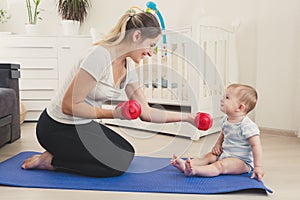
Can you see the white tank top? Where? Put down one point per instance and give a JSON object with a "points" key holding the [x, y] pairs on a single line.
{"points": [[99, 65]]}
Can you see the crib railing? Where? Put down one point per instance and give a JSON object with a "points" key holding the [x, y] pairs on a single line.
{"points": [[173, 65], [188, 73], [164, 75], [219, 65]]}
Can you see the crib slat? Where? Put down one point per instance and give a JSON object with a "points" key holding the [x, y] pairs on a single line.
{"points": [[141, 75], [220, 63], [179, 71], [150, 80], [192, 71], [226, 63], [159, 74], [169, 71], [221, 57], [186, 53]]}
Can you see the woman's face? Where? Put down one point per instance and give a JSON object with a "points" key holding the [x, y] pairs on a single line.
{"points": [[144, 48]]}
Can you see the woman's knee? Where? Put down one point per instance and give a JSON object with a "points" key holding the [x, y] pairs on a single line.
{"points": [[104, 172]]}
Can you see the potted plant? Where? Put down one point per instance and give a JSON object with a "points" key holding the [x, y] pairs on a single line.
{"points": [[3, 16], [33, 12], [73, 13]]}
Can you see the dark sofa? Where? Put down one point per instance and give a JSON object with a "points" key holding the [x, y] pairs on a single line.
{"points": [[9, 103]]}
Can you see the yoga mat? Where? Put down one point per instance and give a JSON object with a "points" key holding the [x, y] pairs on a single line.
{"points": [[165, 179]]}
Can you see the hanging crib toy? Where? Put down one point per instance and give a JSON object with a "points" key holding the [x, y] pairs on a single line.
{"points": [[151, 8]]}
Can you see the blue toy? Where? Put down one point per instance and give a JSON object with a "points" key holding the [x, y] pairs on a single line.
{"points": [[152, 6]]}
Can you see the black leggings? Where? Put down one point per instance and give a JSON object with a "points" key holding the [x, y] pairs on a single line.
{"points": [[90, 149]]}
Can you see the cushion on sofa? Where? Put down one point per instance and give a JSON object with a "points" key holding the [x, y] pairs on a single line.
{"points": [[7, 101]]}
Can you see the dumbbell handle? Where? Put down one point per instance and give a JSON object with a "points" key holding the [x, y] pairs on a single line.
{"points": [[203, 121], [131, 109]]}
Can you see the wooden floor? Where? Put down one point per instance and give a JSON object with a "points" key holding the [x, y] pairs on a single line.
{"points": [[281, 164]]}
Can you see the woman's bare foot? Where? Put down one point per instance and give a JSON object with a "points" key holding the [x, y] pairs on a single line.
{"points": [[178, 163], [188, 171], [42, 161]]}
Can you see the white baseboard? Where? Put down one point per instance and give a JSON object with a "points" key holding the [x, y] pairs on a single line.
{"points": [[281, 132]]}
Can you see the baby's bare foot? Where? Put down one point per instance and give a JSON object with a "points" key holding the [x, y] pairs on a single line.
{"points": [[178, 163], [42, 161], [188, 171]]}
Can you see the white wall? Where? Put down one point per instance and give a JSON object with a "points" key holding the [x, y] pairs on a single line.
{"points": [[277, 63], [297, 114], [267, 42], [107, 14], [103, 15], [17, 10]]}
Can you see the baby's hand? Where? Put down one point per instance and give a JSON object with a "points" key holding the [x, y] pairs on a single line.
{"points": [[258, 172], [217, 150]]}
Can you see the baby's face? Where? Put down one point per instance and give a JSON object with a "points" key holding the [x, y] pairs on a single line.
{"points": [[230, 103]]}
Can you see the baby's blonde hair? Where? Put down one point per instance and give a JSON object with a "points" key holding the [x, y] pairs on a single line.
{"points": [[143, 21], [246, 94]]}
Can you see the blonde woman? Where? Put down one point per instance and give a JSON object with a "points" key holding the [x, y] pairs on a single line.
{"points": [[238, 148], [73, 141]]}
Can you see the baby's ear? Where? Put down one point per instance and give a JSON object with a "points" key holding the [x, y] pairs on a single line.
{"points": [[242, 107]]}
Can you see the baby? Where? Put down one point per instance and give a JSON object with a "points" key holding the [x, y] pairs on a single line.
{"points": [[238, 148]]}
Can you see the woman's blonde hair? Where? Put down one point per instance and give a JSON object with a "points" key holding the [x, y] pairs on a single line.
{"points": [[129, 22], [246, 94]]}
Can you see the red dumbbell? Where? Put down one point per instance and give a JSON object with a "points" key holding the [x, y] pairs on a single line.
{"points": [[130, 109], [203, 121]]}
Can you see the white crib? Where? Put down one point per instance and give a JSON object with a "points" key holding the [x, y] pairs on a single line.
{"points": [[188, 74]]}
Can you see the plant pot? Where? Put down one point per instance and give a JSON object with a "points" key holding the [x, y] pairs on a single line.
{"points": [[70, 27], [31, 29]]}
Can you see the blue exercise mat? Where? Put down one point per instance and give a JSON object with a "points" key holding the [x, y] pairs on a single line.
{"points": [[140, 178]]}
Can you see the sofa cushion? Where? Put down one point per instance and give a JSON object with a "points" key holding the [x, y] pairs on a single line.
{"points": [[5, 136], [7, 101]]}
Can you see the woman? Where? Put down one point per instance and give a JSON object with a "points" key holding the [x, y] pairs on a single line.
{"points": [[74, 142]]}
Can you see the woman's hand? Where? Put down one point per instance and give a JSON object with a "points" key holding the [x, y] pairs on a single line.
{"points": [[190, 118], [130, 109], [203, 121], [117, 113]]}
